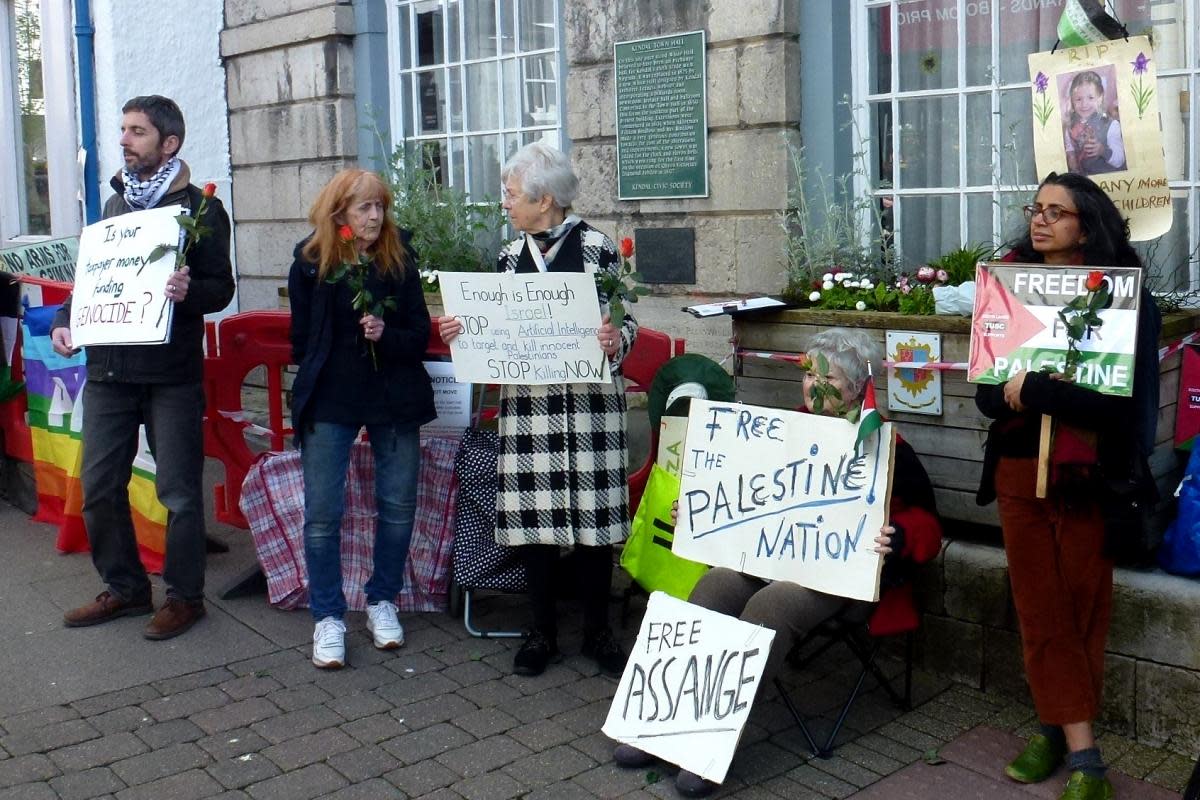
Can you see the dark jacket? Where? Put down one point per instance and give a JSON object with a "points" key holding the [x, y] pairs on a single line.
{"points": [[181, 359], [323, 318]]}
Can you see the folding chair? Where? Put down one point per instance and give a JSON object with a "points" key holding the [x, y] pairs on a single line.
{"points": [[895, 615]]}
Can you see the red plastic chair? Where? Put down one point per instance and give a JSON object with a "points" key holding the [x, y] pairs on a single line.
{"points": [[650, 351]]}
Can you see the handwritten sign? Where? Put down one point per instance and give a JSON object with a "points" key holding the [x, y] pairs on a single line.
{"points": [[688, 686], [525, 328], [785, 496], [119, 295], [53, 259], [451, 399], [1015, 325]]}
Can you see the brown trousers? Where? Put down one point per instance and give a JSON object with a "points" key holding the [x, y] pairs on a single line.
{"points": [[1062, 588]]}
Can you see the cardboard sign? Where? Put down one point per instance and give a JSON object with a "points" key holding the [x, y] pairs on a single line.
{"points": [[525, 328], [1016, 325], [119, 297], [451, 399], [785, 496], [688, 686], [1095, 112]]}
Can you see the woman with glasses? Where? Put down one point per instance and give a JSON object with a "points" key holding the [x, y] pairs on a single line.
{"points": [[1059, 558]]}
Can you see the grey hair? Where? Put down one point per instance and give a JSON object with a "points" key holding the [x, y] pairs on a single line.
{"points": [[849, 349], [543, 170]]}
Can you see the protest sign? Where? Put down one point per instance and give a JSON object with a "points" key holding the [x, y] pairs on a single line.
{"points": [[52, 259], [1095, 112], [525, 328], [688, 686], [119, 295], [451, 399], [1016, 325], [785, 496]]}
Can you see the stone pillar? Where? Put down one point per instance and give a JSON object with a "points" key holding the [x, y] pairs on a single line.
{"points": [[289, 67], [753, 70]]}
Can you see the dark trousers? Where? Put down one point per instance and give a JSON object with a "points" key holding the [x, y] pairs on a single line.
{"points": [[1062, 588], [173, 415], [592, 582]]}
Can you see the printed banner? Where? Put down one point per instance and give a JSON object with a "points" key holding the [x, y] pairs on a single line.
{"points": [[54, 385], [785, 496], [914, 391], [119, 296], [1095, 112], [525, 328], [689, 685], [52, 259], [1187, 414], [1016, 325]]}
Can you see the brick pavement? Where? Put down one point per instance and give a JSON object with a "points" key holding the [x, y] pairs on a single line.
{"points": [[444, 718]]}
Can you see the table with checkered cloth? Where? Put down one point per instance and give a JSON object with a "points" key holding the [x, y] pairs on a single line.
{"points": [[273, 502]]}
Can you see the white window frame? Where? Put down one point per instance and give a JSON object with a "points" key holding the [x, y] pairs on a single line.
{"points": [[862, 100], [395, 71]]}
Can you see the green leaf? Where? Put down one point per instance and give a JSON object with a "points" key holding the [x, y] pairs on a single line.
{"points": [[159, 252], [933, 758]]}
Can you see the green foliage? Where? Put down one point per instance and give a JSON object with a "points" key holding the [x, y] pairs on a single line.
{"points": [[917, 300], [620, 287], [960, 263], [822, 390], [450, 231]]}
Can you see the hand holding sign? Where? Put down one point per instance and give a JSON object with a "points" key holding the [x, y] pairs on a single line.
{"points": [[177, 284]]}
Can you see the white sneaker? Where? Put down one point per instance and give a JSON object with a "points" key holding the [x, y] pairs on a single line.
{"points": [[329, 644], [383, 625]]}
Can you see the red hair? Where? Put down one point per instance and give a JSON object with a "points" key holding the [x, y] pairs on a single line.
{"points": [[326, 247]]}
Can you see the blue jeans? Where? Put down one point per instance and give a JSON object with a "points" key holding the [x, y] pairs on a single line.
{"points": [[325, 457]]}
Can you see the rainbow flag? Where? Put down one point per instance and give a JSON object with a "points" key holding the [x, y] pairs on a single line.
{"points": [[54, 387]]}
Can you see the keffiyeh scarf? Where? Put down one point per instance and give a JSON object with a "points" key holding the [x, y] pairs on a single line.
{"points": [[141, 194]]}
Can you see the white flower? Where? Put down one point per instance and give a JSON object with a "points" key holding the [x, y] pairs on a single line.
{"points": [[860, 306], [814, 297], [866, 285], [842, 276], [828, 276], [851, 284], [827, 285]]}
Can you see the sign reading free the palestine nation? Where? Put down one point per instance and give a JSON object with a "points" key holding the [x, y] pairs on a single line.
{"points": [[1016, 326]]}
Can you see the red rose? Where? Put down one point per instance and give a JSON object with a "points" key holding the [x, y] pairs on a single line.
{"points": [[1095, 280], [627, 248], [346, 233], [210, 190]]}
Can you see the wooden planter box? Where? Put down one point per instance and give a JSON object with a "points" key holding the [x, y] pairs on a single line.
{"points": [[950, 446]]}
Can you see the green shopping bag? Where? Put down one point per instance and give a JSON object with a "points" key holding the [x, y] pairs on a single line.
{"points": [[647, 555]]}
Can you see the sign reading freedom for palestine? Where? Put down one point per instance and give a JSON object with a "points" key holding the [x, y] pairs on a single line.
{"points": [[662, 118], [1016, 327]]}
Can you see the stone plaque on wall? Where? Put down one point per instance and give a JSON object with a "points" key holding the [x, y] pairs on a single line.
{"points": [[665, 255], [662, 117]]}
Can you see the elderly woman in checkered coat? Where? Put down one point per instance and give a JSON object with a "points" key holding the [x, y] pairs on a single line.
{"points": [[561, 466]]}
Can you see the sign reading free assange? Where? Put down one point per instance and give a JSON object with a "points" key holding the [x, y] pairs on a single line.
{"points": [[525, 328], [662, 117], [689, 684], [785, 496], [1015, 325]]}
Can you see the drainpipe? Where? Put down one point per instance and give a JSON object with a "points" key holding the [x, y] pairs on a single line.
{"points": [[85, 53]]}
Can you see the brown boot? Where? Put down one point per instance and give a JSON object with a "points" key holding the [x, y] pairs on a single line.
{"points": [[175, 617], [105, 607]]}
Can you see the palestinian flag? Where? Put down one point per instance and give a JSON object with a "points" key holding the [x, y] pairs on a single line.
{"points": [[1086, 22], [869, 419]]}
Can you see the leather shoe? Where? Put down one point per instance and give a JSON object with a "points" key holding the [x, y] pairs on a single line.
{"points": [[105, 607], [174, 618]]}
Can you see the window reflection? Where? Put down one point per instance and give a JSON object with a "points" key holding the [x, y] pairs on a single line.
{"points": [[31, 104]]}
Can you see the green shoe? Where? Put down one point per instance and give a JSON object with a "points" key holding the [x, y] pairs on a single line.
{"points": [[1085, 787], [1037, 761]]}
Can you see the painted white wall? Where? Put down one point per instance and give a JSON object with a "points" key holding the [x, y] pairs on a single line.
{"points": [[172, 48]]}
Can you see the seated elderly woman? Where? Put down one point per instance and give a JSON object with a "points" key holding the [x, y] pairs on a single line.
{"points": [[911, 536]]}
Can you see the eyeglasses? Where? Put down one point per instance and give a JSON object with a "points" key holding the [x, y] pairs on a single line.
{"points": [[1051, 214]]}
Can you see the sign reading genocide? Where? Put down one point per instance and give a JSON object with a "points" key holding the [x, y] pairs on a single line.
{"points": [[689, 685], [662, 118], [1016, 326], [52, 259], [119, 295], [785, 496], [527, 328]]}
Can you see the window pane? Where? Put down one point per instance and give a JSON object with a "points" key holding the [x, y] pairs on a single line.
{"points": [[1175, 108], [453, 31], [1015, 148], [31, 102], [483, 153], [479, 27], [433, 158], [1012, 218], [454, 99], [981, 154], [979, 219], [928, 227], [430, 45], [406, 104], [482, 95], [432, 102], [880, 36], [540, 95], [1167, 256], [458, 166], [880, 141], [928, 143], [928, 46], [512, 99], [404, 37], [1031, 31], [537, 24], [507, 24]]}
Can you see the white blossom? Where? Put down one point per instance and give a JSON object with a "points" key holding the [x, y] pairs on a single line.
{"points": [[828, 276], [860, 306], [814, 297], [827, 285]]}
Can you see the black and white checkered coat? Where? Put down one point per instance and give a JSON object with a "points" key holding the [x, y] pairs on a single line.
{"points": [[562, 465]]}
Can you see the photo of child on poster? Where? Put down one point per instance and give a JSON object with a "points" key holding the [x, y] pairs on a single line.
{"points": [[1091, 121]]}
